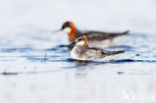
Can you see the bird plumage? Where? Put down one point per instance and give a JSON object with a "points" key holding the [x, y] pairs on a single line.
{"points": [[84, 52], [95, 38]]}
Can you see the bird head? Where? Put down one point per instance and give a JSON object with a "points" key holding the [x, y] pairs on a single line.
{"points": [[68, 27], [81, 41]]}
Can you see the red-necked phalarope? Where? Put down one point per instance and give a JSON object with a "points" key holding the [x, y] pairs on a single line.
{"points": [[95, 38], [82, 51]]}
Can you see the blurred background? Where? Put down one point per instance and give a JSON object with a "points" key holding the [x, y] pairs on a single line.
{"points": [[136, 15], [34, 68]]}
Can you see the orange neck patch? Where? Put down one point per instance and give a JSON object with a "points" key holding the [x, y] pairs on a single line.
{"points": [[86, 42], [72, 34]]}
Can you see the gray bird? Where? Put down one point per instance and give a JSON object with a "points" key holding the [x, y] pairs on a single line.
{"points": [[95, 38], [82, 51]]}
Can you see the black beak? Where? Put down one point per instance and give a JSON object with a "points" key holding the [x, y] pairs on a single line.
{"points": [[70, 46]]}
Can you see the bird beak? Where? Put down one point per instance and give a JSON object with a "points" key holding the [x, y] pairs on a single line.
{"points": [[72, 44]]}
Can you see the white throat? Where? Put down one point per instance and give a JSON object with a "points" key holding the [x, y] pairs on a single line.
{"points": [[81, 43], [67, 30]]}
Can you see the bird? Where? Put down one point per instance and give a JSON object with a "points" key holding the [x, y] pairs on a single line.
{"points": [[95, 38], [81, 51]]}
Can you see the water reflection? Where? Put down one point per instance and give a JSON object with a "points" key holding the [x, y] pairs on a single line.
{"points": [[81, 73], [81, 63]]}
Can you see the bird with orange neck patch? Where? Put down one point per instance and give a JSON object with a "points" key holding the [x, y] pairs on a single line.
{"points": [[82, 51], [95, 38]]}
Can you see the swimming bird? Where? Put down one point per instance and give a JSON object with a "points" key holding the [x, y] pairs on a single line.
{"points": [[82, 51], [95, 38]]}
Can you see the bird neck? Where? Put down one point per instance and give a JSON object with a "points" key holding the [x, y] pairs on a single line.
{"points": [[72, 34], [80, 49], [85, 42]]}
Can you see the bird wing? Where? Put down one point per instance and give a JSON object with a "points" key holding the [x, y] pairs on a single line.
{"points": [[104, 53], [109, 53], [95, 35]]}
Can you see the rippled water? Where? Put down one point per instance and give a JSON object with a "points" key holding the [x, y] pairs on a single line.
{"points": [[36, 67]]}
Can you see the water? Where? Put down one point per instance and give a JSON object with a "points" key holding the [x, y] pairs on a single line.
{"points": [[35, 66], [33, 69]]}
